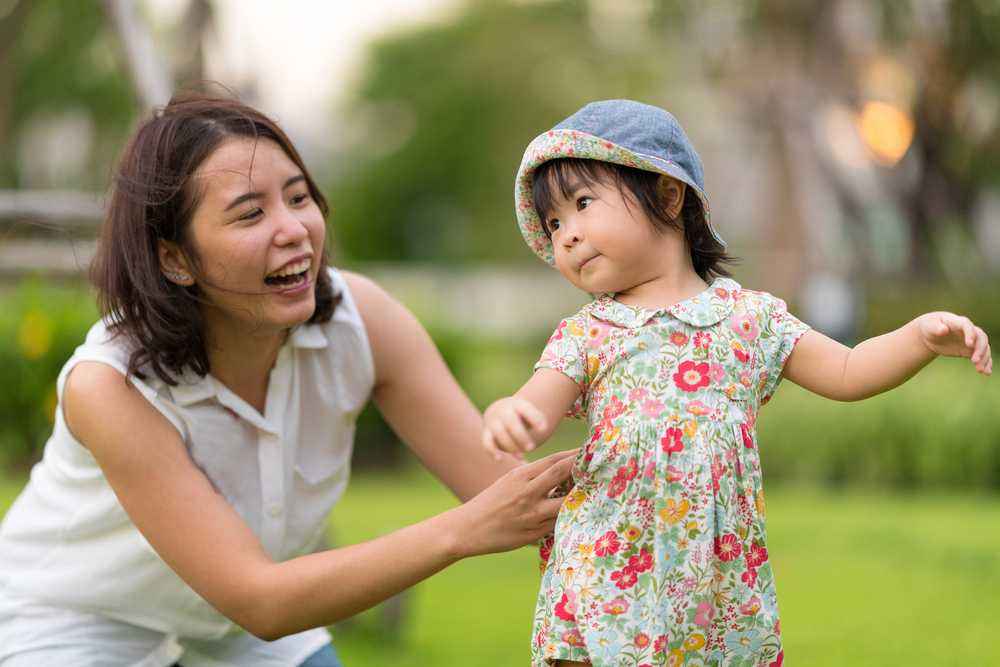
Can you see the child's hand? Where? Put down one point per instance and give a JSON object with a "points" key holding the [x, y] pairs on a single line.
{"points": [[508, 427], [956, 336]]}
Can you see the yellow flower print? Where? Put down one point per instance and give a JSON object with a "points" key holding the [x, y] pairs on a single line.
{"points": [[760, 503], [690, 428], [676, 658], [575, 329], [675, 511], [632, 533], [612, 434], [593, 364], [694, 642], [574, 499]]}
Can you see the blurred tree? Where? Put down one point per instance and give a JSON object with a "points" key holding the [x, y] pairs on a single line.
{"points": [[446, 111]]}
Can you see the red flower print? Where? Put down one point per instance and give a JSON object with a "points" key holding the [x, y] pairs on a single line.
{"points": [[756, 555], [779, 660], [740, 353], [728, 547], [640, 562], [545, 550], [749, 577], [630, 469], [641, 640], [573, 637], [721, 293], [691, 376], [615, 409], [660, 644], [559, 331], [566, 607], [608, 544], [617, 606], [678, 338], [625, 578], [702, 339], [617, 485], [671, 441], [747, 437]]}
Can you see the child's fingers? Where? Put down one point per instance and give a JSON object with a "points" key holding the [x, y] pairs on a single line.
{"points": [[532, 415], [518, 434], [981, 346], [490, 445]]}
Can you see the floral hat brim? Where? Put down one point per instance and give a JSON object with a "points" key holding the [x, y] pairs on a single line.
{"points": [[564, 143]]}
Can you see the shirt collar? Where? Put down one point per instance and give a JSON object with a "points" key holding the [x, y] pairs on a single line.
{"points": [[704, 309], [191, 387]]}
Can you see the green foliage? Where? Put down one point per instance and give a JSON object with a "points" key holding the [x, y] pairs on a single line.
{"points": [[449, 110], [39, 328]]}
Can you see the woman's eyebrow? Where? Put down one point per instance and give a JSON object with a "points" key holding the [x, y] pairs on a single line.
{"points": [[248, 196]]}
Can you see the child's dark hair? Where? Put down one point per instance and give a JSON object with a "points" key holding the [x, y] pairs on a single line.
{"points": [[557, 176]]}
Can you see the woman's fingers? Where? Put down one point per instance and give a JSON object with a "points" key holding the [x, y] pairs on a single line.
{"points": [[552, 476]]}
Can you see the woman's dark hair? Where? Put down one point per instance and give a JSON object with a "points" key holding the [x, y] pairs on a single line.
{"points": [[560, 175], [153, 197]]}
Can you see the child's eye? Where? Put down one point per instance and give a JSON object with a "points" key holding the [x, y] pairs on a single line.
{"points": [[252, 215], [553, 225], [582, 203]]}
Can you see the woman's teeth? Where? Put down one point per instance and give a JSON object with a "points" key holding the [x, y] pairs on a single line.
{"points": [[290, 275]]}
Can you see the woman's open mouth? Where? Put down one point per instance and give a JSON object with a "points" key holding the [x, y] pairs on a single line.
{"points": [[290, 275]]}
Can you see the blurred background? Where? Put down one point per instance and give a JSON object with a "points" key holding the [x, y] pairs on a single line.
{"points": [[852, 156]]}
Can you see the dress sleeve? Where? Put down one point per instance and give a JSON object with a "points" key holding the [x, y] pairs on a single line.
{"points": [[566, 353], [780, 331]]}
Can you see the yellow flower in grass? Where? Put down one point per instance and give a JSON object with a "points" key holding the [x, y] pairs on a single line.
{"points": [[694, 642], [675, 511], [574, 499], [34, 337]]}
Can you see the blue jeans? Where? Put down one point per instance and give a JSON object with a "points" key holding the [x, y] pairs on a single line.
{"points": [[325, 657]]}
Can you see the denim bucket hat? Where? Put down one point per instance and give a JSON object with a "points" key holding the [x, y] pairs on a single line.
{"points": [[617, 131]]}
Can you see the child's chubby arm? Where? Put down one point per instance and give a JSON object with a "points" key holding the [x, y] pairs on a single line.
{"points": [[825, 367], [519, 423]]}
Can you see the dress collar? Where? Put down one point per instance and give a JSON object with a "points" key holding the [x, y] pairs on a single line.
{"points": [[704, 309]]}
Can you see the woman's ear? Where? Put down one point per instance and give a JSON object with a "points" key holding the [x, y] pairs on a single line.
{"points": [[174, 264], [672, 194]]}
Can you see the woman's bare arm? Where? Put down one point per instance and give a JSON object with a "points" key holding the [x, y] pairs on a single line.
{"points": [[419, 397], [200, 536]]}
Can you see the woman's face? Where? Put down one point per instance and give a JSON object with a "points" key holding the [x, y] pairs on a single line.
{"points": [[258, 235]]}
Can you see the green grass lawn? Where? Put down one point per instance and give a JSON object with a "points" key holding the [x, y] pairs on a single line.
{"points": [[863, 579]]}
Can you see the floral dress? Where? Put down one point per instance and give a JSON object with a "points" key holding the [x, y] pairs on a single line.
{"points": [[659, 555]]}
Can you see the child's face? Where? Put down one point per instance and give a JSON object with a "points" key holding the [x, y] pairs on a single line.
{"points": [[603, 244]]}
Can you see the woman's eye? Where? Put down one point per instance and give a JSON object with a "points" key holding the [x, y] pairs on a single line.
{"points": [[582, 203], [252, 215], [299, 198]]}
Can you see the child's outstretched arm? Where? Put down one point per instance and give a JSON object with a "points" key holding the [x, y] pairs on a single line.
{"points": [[825, 367], [519, 423]]}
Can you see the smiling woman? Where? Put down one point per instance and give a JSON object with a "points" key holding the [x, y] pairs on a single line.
{"points": [[205, 426]]}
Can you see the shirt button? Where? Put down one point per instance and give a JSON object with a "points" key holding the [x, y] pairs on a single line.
{"points": [[275, 510]]}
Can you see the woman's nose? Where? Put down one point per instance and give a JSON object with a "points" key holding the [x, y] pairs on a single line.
{"points": [[291, 230]]}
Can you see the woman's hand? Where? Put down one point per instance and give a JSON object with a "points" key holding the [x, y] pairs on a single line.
{"points": [[956, 336], [515, 510], [513, 425]]}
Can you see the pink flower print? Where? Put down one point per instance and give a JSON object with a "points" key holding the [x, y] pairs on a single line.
{"points": [[691, 376], [573, 637], [751, 606], [559, 331], [779, 660], [678, 338], [625, 578], [652, 408], [756, 556], [674, 474], [641, 640], [630, 469], [637, 394], [607, 544], [704, 614], [749, 577], [702, 340], [617, 606], [614, 409], [660, 644], [728, 547], [747, 436], [566, 607], [671, 441], [745, 326], [596, 334], [617, 485], [721, 293], [717, 373]]}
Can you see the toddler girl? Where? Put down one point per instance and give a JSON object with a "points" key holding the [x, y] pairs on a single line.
{"points": [[660, 552]]}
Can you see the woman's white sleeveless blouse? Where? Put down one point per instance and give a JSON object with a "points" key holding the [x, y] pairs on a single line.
{"points": [[68, 549]]}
